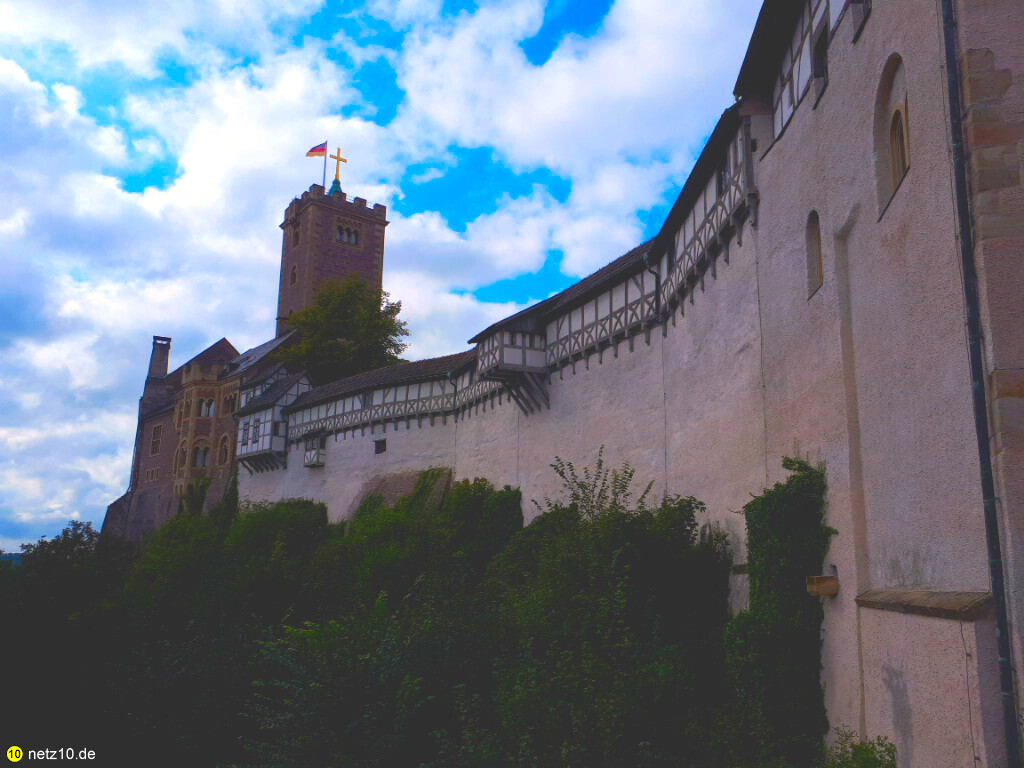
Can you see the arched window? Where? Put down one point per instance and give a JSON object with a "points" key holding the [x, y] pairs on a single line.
{"points": [[355, 237], [294, 276], [891, 131], [206, 457], [898, 163], [341, 233], [815, 257], [223, 454], [211, 408], [196, 454]]}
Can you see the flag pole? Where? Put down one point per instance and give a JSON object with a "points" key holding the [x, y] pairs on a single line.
{"points": [[324, 182]]}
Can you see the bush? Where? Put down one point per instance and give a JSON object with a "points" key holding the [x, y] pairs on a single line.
{"points": [[848, 753]]}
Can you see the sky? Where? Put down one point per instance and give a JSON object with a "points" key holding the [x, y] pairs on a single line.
{"points": [[148, 151]]}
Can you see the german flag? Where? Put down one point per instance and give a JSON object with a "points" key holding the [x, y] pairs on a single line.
{"points": [[320, 150]]}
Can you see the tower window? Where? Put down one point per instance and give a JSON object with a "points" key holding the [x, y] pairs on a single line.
{"points": [[295, 234], [224, 451], [293, 276], [154, 446]]}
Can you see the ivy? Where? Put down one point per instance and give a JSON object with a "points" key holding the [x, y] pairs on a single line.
{"points": [[773, 649]]}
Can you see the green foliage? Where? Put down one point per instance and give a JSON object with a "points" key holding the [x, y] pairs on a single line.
{"points": [[774, 648], [440, 632], [849, 753], [603, 489], [350, 328]]}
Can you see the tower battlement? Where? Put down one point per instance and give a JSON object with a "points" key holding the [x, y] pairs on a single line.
{"points": [[327, 237]]}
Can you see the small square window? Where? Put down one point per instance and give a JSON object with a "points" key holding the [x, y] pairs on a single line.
{"points": [[380, 446]]}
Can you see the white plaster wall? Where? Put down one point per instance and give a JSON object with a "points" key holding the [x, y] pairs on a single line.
{"points": [[350, 463]]}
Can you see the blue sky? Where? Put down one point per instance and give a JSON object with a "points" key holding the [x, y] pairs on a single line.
{"points": [[150, 149]]}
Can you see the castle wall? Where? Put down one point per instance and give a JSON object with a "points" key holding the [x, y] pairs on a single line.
{"points": [[869, 374]]}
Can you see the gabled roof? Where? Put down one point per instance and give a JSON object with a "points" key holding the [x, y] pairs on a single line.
{"points": [[263, 376], [218, 352], [431, 368], [272, 394], [250, 357]]}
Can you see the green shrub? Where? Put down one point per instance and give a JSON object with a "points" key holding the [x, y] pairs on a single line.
{"points": [[849, 753]]}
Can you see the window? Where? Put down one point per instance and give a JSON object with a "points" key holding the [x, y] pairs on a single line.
{"points": [[211, 407], [342, 236], [224, 453], [380, 446], [255, 430], [294, 276], [295, 234], [154, 445], [245, 433], [200, 456], [815, 258], [897, 149], [819, 62], [891, 131], [355, 237]]}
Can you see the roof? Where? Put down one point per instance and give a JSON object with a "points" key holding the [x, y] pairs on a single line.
{"points": [[706, 166], [577, 292], [431, 368], [263, 376], [252, 356], [772, 35], [218, 352], [272, 394]]}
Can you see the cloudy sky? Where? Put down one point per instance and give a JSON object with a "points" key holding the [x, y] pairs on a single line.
{"points": [[148, 150]]}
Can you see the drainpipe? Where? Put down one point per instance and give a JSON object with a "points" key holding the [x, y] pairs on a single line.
{"points": [[974, 345]]}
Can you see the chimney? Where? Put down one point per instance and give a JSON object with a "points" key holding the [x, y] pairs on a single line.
{"points": [[160, 357]]}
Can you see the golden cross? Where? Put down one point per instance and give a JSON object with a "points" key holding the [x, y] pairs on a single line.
{"points": [[337, 165]]}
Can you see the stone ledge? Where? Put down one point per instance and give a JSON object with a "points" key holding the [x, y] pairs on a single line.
{"points": [[959, 606]]}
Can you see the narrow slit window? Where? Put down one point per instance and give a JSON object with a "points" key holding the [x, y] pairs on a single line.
{"points": [[815, 257]]}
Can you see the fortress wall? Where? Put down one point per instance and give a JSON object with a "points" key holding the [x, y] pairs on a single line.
{"points": [[869, 374], [350, 465]]}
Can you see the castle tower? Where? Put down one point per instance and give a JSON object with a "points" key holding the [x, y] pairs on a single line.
{"points": [[327, 237]]}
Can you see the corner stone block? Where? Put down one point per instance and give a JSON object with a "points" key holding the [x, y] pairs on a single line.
{"points": [[977, 60]]}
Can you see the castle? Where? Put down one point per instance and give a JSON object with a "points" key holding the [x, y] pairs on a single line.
{"points": [[840, 277]]}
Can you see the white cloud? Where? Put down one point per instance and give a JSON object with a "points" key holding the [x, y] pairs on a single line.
{"points": [[96, 270]]}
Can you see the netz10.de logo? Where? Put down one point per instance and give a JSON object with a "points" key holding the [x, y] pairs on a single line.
{"points": [[14, 754]]}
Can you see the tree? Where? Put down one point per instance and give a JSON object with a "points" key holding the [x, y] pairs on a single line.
{"points": [[350, 328]]}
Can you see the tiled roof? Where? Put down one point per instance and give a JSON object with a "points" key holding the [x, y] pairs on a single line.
{"points": [[391, 374], [272, 394], [252, 356], [263, 376]]}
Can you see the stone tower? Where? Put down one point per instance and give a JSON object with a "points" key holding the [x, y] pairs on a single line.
{"points": [[327, 237]]}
